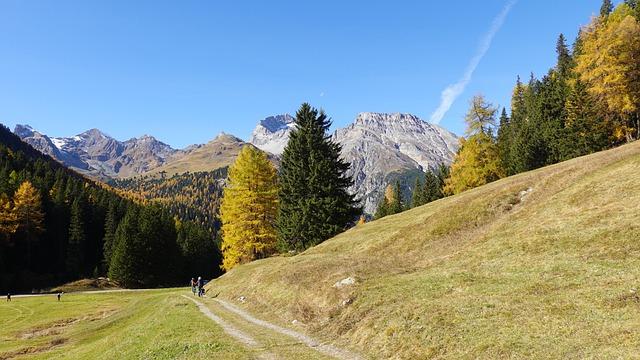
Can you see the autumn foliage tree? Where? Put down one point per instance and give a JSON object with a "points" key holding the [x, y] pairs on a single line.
{"points": [[27, 206], [609, 64], [8, 218], [249, 209], [477, 161]]}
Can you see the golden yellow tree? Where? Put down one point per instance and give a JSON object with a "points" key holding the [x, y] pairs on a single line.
{"points": [[609, 63], [27, 207], [249, 209], [8, 219], [478, 160]]}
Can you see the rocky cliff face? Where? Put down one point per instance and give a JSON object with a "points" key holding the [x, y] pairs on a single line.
{"points": [[272, 133], [381, 148]]}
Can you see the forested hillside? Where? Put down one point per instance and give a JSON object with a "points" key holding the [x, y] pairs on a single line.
{"points": [[191, 196], [56, 225]]}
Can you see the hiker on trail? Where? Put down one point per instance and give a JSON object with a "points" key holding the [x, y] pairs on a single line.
{"points": [[200, 290], [8, 297], [193, 286]]}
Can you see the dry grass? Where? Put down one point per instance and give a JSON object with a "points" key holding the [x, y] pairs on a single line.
{"points": [[497, 271], [100, 283]]}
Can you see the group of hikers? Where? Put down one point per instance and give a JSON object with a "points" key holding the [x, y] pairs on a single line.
{"points": [[197, 286]]}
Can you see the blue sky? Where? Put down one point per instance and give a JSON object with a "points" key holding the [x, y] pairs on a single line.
{"points": [[184, 71]]}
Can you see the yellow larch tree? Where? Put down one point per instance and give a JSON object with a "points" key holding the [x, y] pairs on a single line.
{"points": [[477, 161], [27, 207], [249, 208], [609, 64], [8, 218]]}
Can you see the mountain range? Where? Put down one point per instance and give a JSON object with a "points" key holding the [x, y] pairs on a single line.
{"points": [[381, 148]]}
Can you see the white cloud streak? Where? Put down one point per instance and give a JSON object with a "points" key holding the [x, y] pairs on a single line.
{"points": [[451, 92]]}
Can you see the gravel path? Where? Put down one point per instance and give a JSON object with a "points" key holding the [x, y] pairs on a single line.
{"points": [[326, 349]]}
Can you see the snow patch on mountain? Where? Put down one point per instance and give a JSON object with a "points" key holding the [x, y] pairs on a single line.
{"points": [[272, 133]]}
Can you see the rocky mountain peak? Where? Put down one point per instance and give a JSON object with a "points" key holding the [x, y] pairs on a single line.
{"points": [[277, 122], [23, 130], [272, 133]]}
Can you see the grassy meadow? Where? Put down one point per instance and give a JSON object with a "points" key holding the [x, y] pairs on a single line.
{"points": [[156, 324]]}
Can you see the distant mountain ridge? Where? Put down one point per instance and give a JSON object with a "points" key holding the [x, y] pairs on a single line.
{"points": [[381, 148], [97, 154]]}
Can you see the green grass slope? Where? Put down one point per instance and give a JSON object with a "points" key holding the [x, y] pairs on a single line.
{"points": [[545, 264], [156, 324]]}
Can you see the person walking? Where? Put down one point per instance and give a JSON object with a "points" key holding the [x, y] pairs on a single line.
{"points": [[200, 290], [8, 297], [59, 295], [193, 286]]}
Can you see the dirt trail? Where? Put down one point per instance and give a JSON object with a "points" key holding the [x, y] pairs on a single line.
{"points": [[230, 330], [325, 349]]}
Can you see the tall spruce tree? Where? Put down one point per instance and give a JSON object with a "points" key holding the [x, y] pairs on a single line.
{"points": [[565, 62], [126, 261], [314, 201], [110, 227], [75, 253], [417, 198], [504, 141], [606, 8], [432, 189]]}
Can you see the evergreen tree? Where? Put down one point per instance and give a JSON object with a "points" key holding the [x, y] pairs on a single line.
{"points": [[565, 62], [249, 209], [314, 200], [442, 174], [382, 208], [396, 204], [432, 189], [199, 251], [585, 132], [110, 227], [77, 238], [606, 8], [417, 198], [504, 142], [126, 261], [157, 238]]}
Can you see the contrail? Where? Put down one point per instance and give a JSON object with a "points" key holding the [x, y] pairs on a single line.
{"points": [[451, 92]]}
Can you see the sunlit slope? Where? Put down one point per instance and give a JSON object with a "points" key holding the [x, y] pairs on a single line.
{"points": [[542, 264]]}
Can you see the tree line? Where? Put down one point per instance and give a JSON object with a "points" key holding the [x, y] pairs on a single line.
{"points": [[56, 226], [589, 101], [190, 196]]}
